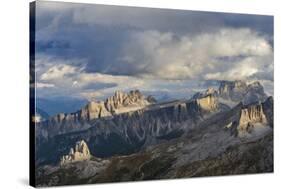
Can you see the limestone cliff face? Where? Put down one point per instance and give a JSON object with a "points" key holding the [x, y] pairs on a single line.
{"points": [[257, 117], [119, 103], [94, 110], [251, 120], [228, 86], [255, 93], [209, 91], [124, 133], [130, 131], [233, 92], [80, 152], [208, 103], [268, 110], [109, 107], [252, 114]]}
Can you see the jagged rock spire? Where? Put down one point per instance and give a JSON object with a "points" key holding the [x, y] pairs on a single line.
{"points": [[80, 152]]}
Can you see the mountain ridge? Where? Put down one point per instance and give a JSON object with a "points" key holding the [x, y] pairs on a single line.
{"points": [[233, 92], [162, 140], [131, 131], [119, 103]]}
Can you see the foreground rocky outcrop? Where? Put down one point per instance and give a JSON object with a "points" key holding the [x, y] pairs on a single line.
{"points": [[184, 157], [255, 118], [80, 152], [250, 116], [251, 120]]}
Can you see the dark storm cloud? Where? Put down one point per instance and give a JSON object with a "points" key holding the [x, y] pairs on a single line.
{"points": [[98, 32], [260, 23], [148, 43], [165, 20], [52, 45]]}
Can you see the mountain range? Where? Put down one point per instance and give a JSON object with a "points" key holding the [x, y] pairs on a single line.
{"points": [[130, 136]]}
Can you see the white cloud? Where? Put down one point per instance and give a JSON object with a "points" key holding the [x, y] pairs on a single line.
{"points": [[44, 85], [59, 72], [243, 69], [225, 54], [163, 63], [71, 79], [119, 83]]}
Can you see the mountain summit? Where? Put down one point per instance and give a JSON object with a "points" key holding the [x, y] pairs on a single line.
{"points": [[233, 92], [130, 133], [80, 152], [119, 103], [237, 91]]}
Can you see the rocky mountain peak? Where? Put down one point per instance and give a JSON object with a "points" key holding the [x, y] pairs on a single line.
{"points": [[118, 97], [252, 117], [80, 152], [119, 94], [228, 87], [121, 100], [239, 91], [136, 93], [255, 84], [82, 147], [208, 102], [209, 91], [151, 99], [253, 114], [255, 93]]}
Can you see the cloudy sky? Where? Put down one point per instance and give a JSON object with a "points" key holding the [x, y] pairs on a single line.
{"points": [[89, 51]]}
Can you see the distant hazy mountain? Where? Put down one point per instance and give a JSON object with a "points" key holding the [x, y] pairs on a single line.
{"points": [[239, 91], [233, 92], [41, 115], [61, 104]]}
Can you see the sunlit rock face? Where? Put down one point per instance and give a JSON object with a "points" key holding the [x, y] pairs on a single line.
{"points": [[128, 132], [119, 103], [176, 134], [255, 118], [233, 92], [94, 110], [125, 102], [208, 103], [209, 91], [80, 152], [135, 129], [252, 114]]}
